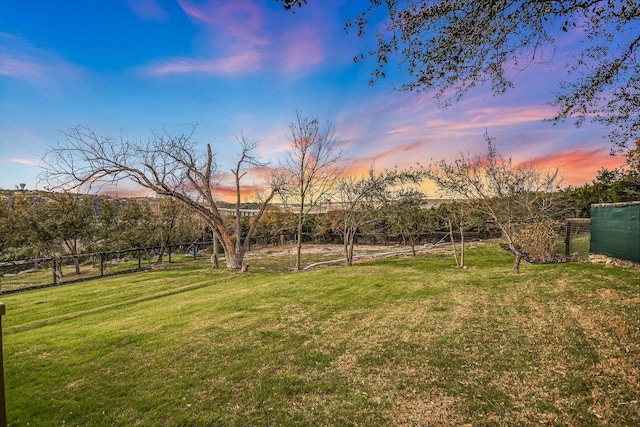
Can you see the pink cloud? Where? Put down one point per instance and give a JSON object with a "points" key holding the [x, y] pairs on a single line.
{"points": [[397, 150], [579, 166], [148, 9], [240, 36], [246, 62], [302, 48], [21, 161], [239, 20], [234, 32]]}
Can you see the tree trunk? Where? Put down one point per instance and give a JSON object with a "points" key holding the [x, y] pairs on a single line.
{"points": [[346, 247], [234, 260], [461, 246], [516, 263], [350, 248], [453, 244], [299, 242]]}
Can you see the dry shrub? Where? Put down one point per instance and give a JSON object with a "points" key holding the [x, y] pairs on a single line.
{"points": [[538, 239]]}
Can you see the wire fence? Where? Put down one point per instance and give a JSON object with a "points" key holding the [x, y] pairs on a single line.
{"points": [[576, 239], [17, 276]]}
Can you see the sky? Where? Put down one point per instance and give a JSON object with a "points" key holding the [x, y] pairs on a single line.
{"points": [[244, 67]]}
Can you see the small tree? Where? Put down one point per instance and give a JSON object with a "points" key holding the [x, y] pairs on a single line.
{"points": [[310, 168], [361, 198], [72, 221], [168, 165], [406, 216], [60, 221], [136, 225], [506, 193], [456, 215]]}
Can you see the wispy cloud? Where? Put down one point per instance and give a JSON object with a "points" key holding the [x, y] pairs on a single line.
{"points": [[240, 21], [238, 39], [21, 161], [245, 62], [404, 129], [245, 37], [302, 48], [20, 60]]}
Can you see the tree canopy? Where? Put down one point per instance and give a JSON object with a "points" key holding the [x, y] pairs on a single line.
{"points": [[451, 47]]}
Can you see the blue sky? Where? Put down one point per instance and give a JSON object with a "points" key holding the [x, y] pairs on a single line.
{"points": [[246, 66]]}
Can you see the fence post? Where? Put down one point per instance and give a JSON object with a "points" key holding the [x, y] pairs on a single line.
{"points": [[102, 259], [139, 259], [3, 407], [567, 238], [57, 267], [169, 250]]}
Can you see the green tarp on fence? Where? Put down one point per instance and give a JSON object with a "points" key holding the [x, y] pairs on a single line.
{"points": [[615, 230]]}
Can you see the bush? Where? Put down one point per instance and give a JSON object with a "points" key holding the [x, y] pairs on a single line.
{"points": [[537, 240]]}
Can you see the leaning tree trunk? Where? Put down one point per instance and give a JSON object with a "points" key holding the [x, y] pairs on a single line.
{"points": [[517, 253]]}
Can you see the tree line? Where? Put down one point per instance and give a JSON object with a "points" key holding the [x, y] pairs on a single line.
{"points": [[489, 197]]}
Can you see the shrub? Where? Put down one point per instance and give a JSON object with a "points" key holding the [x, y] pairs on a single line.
{"points": [[537, 239]]}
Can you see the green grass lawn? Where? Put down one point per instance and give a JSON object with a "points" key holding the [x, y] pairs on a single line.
{"points": [[394, 342]]}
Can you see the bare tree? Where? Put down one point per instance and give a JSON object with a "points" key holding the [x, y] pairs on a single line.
{"points": [[508, 194], [455, 213], [360, 199], [168, 165], [310, 168]]}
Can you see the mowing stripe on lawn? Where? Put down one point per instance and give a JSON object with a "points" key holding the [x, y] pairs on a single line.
{"points": [[65, 317]]}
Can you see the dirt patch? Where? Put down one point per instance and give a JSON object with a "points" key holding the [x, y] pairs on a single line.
{"points": [[317, 249]]}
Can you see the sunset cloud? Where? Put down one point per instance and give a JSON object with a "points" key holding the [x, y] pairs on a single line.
{"points": [[21, 68], [579, 166], [233, 20]]}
